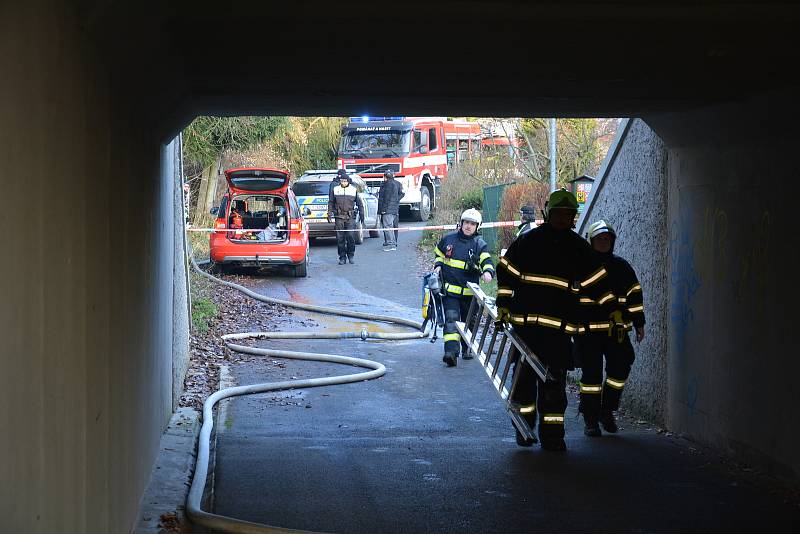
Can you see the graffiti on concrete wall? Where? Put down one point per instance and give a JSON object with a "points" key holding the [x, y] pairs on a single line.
{"points": [[712, 245], [712, 256], [685, 280]]}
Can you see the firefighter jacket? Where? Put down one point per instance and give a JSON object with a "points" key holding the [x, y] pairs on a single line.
{"points": [[343, 201], [462, 259], [389, 197], [622, 305], [543, 277]]}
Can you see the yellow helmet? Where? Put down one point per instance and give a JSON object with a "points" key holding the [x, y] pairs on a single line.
{"points": [[600, 227], [560, 199]]}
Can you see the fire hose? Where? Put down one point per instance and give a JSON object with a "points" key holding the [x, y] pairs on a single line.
{"points": [[193, 502]]}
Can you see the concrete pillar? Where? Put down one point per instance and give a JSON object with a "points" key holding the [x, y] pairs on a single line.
{"points": [[86, 279]]}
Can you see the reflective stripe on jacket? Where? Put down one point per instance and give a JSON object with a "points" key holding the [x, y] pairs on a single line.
{"points": [[624, 295], [544, 276], [462, 260], [343, 201]]}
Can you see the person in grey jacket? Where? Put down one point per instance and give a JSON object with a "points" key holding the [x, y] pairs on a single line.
{"points": [[389, 209]]}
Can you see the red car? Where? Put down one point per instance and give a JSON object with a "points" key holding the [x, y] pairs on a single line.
{"points": [[262, 223]]}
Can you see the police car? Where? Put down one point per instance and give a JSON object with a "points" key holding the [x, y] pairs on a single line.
{"points": [[312, 189]]}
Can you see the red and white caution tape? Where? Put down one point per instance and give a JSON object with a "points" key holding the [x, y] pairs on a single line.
{"points": [[494, 224]]}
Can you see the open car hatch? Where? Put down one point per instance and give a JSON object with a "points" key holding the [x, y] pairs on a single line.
{"points": [[260, 180]]}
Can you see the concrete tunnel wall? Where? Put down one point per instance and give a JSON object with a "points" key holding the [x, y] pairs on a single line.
{"points": [[88, 300], [723, 261], [634, 175]]}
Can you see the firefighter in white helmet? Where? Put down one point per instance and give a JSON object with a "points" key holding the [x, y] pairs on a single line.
{"points": [[461, 256], [611, 318]]}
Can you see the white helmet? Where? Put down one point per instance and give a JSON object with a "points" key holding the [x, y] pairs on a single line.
{"points": [[472, 215], [600, 227]]}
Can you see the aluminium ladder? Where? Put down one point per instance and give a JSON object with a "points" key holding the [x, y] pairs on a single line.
{"points": [[505, 348]]}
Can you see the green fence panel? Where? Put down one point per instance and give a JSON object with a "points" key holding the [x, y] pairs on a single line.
{"points": [[492, 200]]}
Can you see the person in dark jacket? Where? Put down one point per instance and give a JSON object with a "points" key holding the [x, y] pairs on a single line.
{"points": [[389, 209], [346, 207], [527, 221], [540, 282], [461, 256], [611, 319]]}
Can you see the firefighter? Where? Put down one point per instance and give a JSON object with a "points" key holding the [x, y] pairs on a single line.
{"points": [[611, 319], [461, 256], [541, 279], [345, 206], [527, 217]]}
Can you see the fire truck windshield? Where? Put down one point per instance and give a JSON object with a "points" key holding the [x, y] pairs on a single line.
{"points": [[365, 144]]}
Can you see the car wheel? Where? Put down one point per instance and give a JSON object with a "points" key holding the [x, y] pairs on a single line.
{"points": [[301, 271], [359, 233], [375, 232], [424, 210], [217, 268]]}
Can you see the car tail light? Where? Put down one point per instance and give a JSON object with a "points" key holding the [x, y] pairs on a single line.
{"points": [[295, 225], [219, 224]]}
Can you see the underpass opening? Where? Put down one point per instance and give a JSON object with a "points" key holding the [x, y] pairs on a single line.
{"points": [[122, 78]]}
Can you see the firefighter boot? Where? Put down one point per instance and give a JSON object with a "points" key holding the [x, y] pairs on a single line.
{"points": [[552, 437], [522, 441], [465, 353], [608, 421], [450, 359], [591, 426], [553, 443]]}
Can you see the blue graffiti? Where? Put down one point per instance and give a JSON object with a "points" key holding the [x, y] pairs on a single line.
{"points": [[684, 279]]}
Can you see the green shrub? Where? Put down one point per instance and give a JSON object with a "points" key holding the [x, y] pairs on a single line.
{"points": [[472, 198]]}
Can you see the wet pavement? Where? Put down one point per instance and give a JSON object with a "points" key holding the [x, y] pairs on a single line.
{"points": [[428, 448]]}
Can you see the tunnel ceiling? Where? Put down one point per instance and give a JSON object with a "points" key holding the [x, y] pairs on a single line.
{"points": [[508, 58]]}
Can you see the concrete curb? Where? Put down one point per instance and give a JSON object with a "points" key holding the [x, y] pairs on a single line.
{"points": [[169, 481]]}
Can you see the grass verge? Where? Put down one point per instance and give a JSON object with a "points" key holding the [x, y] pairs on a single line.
{"points": [[203, 307]]}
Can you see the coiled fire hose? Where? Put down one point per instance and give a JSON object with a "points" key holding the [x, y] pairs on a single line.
{"points": [[229, 524]]}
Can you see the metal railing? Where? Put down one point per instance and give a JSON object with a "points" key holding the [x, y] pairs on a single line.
{"points": [[505, 349]]}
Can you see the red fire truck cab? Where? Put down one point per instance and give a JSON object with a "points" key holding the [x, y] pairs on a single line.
{"points": [[419, 150]]}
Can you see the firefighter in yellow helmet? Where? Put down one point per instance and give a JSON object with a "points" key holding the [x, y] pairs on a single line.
{"points": [[540, 282], [612, 317], [461, 256]]}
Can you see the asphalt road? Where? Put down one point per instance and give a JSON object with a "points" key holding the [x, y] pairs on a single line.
{"points": [[428, 448]]}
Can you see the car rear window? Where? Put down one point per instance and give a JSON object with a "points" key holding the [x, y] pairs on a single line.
{"points": [[311, 189], [257, 180]]}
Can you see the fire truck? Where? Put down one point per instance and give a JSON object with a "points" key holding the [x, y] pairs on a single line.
{"points": [[419, 150]]}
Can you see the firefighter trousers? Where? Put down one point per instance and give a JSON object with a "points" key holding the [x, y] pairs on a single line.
{"points": [[547, 400], [596, 394], [345, 241], [455, 309]]}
